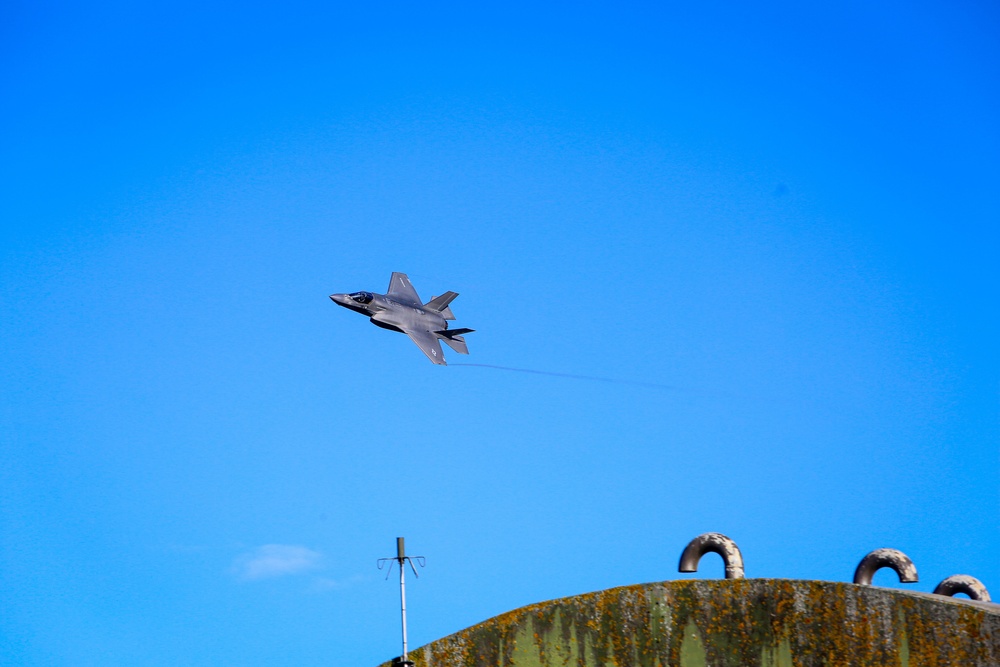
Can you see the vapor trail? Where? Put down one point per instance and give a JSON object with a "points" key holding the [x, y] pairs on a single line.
{"points": [[571, 376]]}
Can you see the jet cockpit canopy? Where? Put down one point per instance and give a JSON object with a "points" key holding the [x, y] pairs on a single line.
{"points": [[363, 297]]}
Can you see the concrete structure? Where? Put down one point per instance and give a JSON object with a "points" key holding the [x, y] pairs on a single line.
{"points": [[731, 623]]}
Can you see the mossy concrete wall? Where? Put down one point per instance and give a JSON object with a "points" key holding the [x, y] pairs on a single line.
{"points": [[731, 623]]}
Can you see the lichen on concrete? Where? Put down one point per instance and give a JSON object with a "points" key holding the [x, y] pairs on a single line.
{"points": [[730, 623]]}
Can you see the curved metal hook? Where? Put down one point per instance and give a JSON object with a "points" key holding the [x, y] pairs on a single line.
{"points": [[963, 583], [716, 543], [381, 563], [880, 558], [421, 561]]}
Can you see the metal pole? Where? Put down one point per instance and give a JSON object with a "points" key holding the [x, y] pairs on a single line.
{"points": [[403, 560], [401, 557]]}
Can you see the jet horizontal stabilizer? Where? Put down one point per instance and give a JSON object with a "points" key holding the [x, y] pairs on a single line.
{"points": [[458, 344], [453, 337], [451, 333]]}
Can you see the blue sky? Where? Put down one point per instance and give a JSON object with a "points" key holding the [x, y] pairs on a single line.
{"points": [[785, 216]]}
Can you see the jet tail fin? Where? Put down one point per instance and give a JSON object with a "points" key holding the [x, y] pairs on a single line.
{"points": [[455, 339], [439, 304]]}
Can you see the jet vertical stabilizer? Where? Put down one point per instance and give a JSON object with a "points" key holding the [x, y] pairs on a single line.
{"points": [[439, 304]]}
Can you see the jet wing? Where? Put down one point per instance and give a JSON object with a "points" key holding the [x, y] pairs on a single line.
{"points": [[401, 291], [429, 345]]}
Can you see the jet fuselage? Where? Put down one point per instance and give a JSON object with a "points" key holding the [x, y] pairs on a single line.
{"points": [[389, 314], [402, 310]]}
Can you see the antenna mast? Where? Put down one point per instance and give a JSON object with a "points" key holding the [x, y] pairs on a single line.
{"points": [[402, 559]]}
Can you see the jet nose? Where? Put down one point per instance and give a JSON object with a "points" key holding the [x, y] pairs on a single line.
{"points": [[340, 298]]}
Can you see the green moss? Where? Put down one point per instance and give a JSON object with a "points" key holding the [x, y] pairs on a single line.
{"points": [[734, 623]]}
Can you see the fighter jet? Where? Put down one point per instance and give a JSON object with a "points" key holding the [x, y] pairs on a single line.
{"points": [[400, 310]]}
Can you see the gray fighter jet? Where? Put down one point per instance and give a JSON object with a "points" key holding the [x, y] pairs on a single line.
{"points": [[400, 310]]}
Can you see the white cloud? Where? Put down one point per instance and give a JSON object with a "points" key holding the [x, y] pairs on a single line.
{"points": [[276, 560]]}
